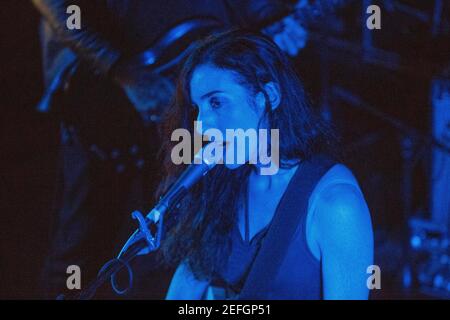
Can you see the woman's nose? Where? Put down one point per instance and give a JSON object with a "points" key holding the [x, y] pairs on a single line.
{"points": [[203, 122]]}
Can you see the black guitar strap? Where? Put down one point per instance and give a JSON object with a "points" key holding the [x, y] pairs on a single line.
{"points": [[293, 205]]}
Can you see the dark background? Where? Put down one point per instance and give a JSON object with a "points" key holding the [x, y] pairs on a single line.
{"points": [[28, 144]]}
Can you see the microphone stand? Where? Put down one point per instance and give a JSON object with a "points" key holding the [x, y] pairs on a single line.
{"points": [[141, 242]]}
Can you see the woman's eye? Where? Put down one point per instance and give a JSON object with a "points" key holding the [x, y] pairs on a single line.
{"points": [[215, 103]]}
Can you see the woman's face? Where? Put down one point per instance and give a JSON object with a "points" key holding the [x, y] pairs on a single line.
{"points": [[223, 103]]}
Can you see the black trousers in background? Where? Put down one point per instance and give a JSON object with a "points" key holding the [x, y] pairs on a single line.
{"points": [[93, 220]]}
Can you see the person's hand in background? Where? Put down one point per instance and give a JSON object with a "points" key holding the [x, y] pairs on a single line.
{"points": [[146, 90], [292, 37], [289, 34]]}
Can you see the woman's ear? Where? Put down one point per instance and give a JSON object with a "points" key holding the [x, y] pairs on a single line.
{"points": [[273, 94]]}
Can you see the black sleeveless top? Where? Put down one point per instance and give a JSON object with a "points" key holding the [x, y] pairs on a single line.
{"points": [[230, 276], [299, 275]]}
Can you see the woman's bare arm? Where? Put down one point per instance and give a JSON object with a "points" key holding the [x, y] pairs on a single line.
{"points": [[185, 286], [345, 239]]}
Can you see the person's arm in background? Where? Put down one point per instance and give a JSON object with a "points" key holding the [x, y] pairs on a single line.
{"points": [[288, 33], [290, 36], [94, 44], [86, 43]]}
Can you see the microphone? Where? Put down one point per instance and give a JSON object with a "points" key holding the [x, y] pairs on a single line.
{"points": [[203, 163]]}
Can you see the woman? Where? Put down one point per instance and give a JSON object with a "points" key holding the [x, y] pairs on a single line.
{"points": [[242, 80]]}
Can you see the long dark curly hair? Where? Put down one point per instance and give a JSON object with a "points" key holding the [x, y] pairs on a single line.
{"points": [[198, 229]]}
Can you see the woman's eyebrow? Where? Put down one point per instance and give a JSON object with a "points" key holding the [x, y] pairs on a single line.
{"points": [[210, 94]]}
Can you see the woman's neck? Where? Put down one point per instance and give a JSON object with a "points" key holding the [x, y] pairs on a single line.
{"points": [[267, 182]]}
